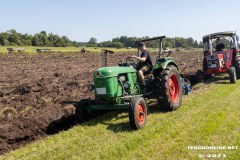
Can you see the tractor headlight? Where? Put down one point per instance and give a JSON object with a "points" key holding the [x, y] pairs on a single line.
{"points": [[97, 74], [126, 85], [90, 87]]}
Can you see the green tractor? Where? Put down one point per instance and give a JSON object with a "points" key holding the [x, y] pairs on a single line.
{"points": [[117, 88]]}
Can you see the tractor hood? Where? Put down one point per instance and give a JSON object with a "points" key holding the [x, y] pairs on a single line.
{"points": [[112, 71]]}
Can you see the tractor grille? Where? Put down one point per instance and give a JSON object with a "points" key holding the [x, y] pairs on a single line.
{"points": [[213, 61]]}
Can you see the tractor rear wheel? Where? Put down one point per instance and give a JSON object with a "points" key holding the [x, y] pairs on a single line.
{"points": [[238, 70], [169, 89], [232, 75], [81, 113], [237, 66], [138, 113]]}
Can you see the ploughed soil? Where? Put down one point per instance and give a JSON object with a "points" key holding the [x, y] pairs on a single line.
{"points": [[38, 93]]}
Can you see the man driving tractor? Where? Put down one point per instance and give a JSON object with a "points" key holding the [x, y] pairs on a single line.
{"points": [[144, 65], [219, 46]]}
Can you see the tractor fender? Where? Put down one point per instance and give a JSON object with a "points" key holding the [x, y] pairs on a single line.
{"points": [[170, 63], [163, 65]]}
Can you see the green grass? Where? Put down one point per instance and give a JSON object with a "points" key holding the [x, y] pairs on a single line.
{"points": [[207, 117], [32, 49]]}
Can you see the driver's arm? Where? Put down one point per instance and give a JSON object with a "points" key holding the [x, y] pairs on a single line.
{"points": [[143, 59]]}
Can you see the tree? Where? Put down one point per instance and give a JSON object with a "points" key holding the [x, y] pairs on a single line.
{"points": [[168, 44], [200, 45], [5, 42], [27, 42], [195, 44], [67, 42], [152, 44], [92, 40], [35, 41], [11, 31], [12, 37], [43, 32], [178, 42], [104, 44], [4, 39], [189, 42], [118, 44]]}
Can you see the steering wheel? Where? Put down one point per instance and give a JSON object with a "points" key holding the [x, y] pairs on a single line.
{"points": [[130, 62], [120, 63]]}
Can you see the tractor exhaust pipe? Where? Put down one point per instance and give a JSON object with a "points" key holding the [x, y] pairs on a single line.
{"points": [[104, 56]]}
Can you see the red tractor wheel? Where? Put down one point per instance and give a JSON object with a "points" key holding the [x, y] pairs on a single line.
{"points": [[169, 89], [173, 88], [138, 113], [232, 75]]}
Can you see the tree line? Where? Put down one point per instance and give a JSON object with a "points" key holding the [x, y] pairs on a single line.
{"points": [[124, 41], [13, 38]]}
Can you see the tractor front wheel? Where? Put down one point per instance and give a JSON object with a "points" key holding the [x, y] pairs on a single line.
{"points": [[238, 70], [237, 65], [232, 75], [81, 113], [137, 113]]}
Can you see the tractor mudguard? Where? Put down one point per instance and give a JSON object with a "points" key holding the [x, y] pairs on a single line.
{"points": [[162, 63]]}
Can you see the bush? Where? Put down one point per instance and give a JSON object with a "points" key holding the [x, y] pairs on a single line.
{"points": [[118, 45]]}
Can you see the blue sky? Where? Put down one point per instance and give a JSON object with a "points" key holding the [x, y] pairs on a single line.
{"points": [[106, 19]]}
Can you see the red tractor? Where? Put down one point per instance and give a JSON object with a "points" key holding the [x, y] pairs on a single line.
{"points": [[221, 55]]}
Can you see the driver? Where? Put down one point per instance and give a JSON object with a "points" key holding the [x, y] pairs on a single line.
{"points": [[219, 46], [144, 65]]}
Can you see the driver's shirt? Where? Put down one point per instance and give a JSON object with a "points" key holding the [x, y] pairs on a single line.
{"points": [[148, 60], [220, 47]]}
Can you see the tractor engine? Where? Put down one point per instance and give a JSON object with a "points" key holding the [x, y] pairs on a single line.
{"points": [[112, 84]]}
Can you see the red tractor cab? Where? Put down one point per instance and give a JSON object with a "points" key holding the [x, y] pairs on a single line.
{"points": [[221, 55]]}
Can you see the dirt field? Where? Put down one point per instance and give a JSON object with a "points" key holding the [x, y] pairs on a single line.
{"points": [[38, 92]]}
